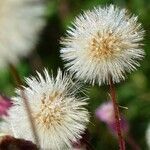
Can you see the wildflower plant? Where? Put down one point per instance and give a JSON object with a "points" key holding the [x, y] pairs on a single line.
{"points": [[103, 43], [58, 113], [101, 46]]}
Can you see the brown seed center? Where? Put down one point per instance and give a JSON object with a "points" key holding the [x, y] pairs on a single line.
{"points": [[50, 112], [104, 46]]}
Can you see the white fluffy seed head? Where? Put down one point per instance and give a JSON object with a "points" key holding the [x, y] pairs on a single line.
{"points": [[58, 112], [103, 43], [20, 23], [5, 127]]}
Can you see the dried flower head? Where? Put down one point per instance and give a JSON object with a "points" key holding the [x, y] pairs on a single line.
{"points": [[5, 127], [58, 113], [103, 43], [20, 23]]}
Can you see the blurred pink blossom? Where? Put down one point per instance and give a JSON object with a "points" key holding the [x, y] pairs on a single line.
{"points": [[5, 104], [105, 113], [124, 126]]}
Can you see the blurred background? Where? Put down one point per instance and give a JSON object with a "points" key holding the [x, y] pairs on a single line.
{"points": [[133, 93]]}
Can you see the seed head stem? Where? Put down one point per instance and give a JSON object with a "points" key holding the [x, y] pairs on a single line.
{"points": [[117, 115], [19, 84]]}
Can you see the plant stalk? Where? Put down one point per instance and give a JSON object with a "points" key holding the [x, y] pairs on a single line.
{"points": [[117, 115], [19, 84]]}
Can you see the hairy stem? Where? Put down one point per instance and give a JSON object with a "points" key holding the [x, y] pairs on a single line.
{"points": [[19, 84], [117, 116]]}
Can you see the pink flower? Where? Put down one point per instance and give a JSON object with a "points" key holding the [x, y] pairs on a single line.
{"points": [[105, 113], [124, 126], [5, 104]]}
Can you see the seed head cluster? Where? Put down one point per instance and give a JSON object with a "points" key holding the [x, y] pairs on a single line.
{"points": [[59, 115], [103, 43]]}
